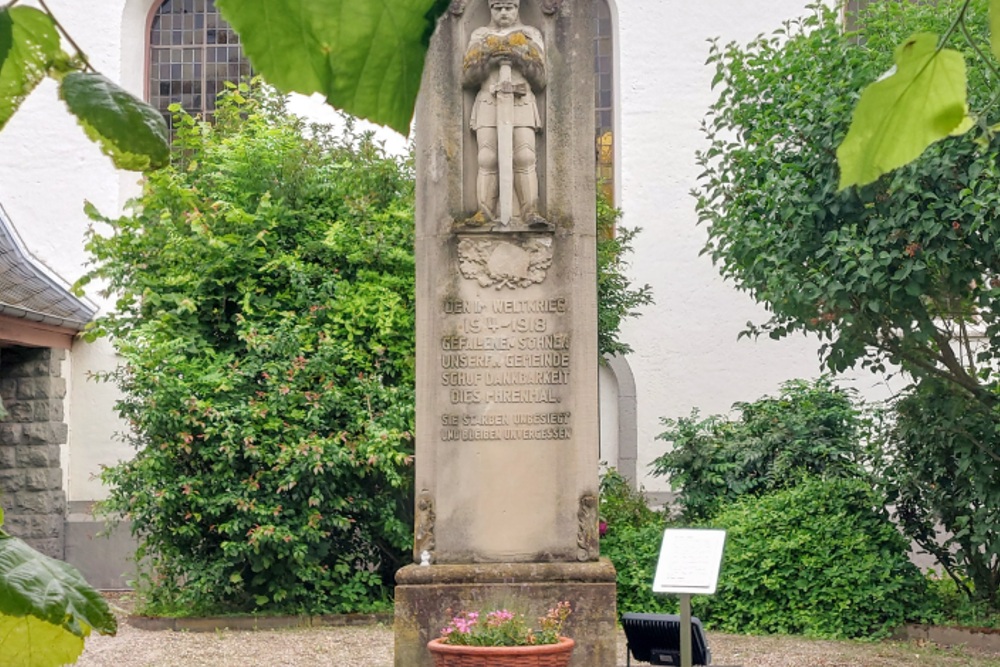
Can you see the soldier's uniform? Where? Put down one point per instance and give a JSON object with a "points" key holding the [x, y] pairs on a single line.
{"points": [[484, 110]]}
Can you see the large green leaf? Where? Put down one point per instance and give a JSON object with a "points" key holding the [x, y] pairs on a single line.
{"points": [[29, 642], [28, 45], [129, 131], [366, 57], [899, 116], [32, 584]]}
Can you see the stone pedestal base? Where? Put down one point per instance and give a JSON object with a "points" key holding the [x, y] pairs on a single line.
{"points": [[428, 596]]}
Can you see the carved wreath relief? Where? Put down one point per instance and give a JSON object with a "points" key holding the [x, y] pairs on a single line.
{"points": [[500, 263]]}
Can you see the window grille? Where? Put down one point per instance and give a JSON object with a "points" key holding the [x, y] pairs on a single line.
{"points": [[604, 98], [193, 51]]}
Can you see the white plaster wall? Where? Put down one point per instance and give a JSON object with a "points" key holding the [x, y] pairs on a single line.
{"points": [[47, 169], [608, 401], [686, 350]]}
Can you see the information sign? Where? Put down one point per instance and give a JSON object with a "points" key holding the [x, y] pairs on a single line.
{"points": [[690, 559]]}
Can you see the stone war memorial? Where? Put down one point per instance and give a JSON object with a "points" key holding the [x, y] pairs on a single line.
{"points": [[506, 507]]}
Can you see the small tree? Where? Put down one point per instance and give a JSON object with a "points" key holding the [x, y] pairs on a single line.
{"points": [[941, 469], [264, 318], [895, 272], [903, 271]]}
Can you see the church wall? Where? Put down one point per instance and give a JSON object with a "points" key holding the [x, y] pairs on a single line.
{"points": [[686, 350]]}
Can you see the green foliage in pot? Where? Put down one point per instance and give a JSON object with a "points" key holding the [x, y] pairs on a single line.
{"points": [[263, 287], [502, 627], [808, 429], [820, 559]]}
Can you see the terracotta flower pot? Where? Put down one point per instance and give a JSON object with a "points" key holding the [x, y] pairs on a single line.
{"points": [[543, 655]]}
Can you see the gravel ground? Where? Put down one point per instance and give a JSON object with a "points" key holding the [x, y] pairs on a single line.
{"points": [[372, 647]]}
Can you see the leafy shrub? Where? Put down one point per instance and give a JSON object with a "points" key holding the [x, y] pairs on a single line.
{"points": [[264, 320], [617, 299], [808, 429], [632, 542], [939, 468], [820, 559]]}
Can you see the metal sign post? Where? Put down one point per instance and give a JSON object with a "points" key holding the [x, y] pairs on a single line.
{"points": [[685, 630]]}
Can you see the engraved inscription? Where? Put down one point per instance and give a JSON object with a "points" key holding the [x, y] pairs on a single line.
{"points": [[505, 367]]}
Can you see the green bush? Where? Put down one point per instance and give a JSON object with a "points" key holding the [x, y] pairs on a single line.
{"points": [[810, 428], [264, 318], [264, 292], [820, 559], [632, 542], [939, 468]]}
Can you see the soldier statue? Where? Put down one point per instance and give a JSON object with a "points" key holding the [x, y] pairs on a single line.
{"points": [[505, 62]]}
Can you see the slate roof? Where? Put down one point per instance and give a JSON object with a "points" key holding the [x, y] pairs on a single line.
{"points": [[30, 291]]}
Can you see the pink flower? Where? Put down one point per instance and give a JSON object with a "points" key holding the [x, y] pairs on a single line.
{"points": [[497, 618]]}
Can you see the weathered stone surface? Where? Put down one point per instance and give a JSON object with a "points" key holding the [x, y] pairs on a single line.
{"points": [[507, 429], [46, 433], [43, 479], [11, 434], [8, 389], [30, 526], [427, 596], [27, 362], [507, 418], [11, 480], [39, 502], [8, 456], [52, 547], [48, 411], [30, 474], [20, 410], [41, 387], [38, 456]]}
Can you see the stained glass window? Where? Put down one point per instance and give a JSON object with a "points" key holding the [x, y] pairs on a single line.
{"points": [[604, 98], [193, 51]]}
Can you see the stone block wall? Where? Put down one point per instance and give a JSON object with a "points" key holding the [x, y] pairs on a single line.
{"points": [[31, 491]]}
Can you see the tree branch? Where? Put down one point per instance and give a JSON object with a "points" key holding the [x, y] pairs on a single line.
{"points": [[69, 38], [959, 21], [931, 368]]}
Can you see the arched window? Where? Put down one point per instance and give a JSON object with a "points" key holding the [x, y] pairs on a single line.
{"points": [[604, 73], [192, 52]]}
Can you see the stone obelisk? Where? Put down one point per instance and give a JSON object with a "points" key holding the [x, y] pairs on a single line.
{"points": [[507, 417]]}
